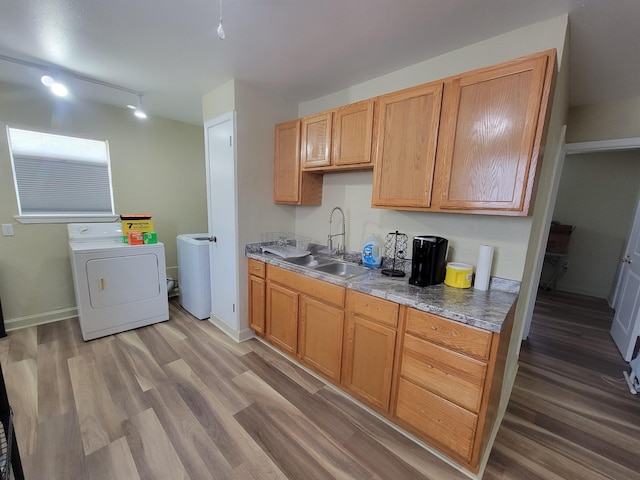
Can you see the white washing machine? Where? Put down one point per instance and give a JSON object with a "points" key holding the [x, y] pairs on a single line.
{"points": [[194, 274], [118, 287]]}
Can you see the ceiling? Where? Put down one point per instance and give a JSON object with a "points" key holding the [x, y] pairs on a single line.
{"points": [[301, 49]]}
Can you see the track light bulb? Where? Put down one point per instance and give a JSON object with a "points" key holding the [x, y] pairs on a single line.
{"points": [[56, 87]]}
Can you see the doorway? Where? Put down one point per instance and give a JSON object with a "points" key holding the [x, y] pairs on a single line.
{"points": [[598, 193]]}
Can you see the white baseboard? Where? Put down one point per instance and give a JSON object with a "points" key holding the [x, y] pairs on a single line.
{"points": [[238, 336], [39, 319]]}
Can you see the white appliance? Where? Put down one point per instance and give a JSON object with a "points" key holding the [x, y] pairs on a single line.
{"points": [[118, 287], [194, 276]]}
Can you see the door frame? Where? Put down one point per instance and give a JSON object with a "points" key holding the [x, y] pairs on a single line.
{"points": [[576, 148], [229, 326]]}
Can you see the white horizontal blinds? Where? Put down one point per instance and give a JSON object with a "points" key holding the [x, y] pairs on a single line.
{"points": [[55, 174]]}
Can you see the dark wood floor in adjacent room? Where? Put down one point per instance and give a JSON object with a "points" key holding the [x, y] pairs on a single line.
{"points": [[180, 400]]}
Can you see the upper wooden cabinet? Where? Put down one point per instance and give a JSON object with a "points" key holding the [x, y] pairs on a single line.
{"points": [[476, 150], [339, 139], [353, 134], [316, 140], [406, 147], [290, 184], [492, 127]]}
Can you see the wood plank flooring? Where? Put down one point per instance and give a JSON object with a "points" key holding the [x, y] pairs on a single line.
{"points": [[179, 400]]}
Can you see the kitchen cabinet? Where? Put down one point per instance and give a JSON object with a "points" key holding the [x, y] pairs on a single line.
{"points": [[448, 383], [305, 318], [369, 348], [290, 184], [316, 140], [257, 287], [340, 139], [282, 317], [492, 128], [467, 144], [353, 135], [407, 136], [320, 338]]}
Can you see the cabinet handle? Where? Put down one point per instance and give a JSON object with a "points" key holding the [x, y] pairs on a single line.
{"points": [[256, 268], [429, 366], [433, 327], [102, 283]]}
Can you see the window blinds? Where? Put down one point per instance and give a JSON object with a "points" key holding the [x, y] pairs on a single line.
{"points": [[59, 175]]}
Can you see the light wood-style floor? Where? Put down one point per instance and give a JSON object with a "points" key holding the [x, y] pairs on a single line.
{"points": [[180, 400]]}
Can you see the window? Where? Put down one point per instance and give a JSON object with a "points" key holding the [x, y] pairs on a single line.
{"points": [[59, 178]]}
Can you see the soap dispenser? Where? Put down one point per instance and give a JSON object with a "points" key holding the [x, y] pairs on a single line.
{"points": [[372, 252]]}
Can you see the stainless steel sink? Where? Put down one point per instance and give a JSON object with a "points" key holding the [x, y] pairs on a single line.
{"points": [[310, 261], [340, 269]]}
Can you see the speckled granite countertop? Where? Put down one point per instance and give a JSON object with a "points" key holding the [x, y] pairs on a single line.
{"points": [[486, 310]]}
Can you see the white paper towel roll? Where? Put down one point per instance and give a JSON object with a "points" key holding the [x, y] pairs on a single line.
{"points": [[483, 270]]}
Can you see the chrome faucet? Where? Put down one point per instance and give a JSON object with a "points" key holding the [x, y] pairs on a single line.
{"points": [[341, 248]]}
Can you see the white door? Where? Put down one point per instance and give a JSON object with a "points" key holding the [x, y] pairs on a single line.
{"points": [[221, 198], [626, 321]]}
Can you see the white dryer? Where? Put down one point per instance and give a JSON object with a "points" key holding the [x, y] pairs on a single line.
{"points": [[118, 287]]}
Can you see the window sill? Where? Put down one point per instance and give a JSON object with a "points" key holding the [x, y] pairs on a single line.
{"points": [[65, 218]]}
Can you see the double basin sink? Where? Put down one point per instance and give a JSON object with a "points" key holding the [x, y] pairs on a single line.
{"points": [[329, 265]]}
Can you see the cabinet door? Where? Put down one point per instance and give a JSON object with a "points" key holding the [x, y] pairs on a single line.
{"points": [[352, 134], [282, 317], [367, 363], [320, 338], [290, 184], [490, 137], [256, 304], [406, 147], [316, 140], [286, 180]]}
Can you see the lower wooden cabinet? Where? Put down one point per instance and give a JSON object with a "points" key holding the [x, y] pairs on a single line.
{"points": [[282, 317], [256, 296], [439, 379], [369, 348], [320, 337], [449, 380], [305, 318]]}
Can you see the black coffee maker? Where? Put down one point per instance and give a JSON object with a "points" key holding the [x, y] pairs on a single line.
{"points": [[429, 263]]}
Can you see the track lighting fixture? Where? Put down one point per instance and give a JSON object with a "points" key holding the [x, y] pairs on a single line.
{"points": [[221, 34], [54, 83]]}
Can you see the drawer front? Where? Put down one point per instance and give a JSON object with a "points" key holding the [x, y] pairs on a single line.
{"points": [[448, 424], [327, 292], [380, 310], [449, 333], [256, 268], [449, 374]]}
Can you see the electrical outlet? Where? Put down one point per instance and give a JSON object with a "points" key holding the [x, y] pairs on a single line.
{"points": [[7, 229]]}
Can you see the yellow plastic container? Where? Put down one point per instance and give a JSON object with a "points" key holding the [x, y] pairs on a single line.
{"points": [[458, 275]]}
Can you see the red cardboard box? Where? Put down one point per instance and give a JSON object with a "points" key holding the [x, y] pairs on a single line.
{"points": [[559, 236]]}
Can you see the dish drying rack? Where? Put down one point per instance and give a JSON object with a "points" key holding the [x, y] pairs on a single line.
{"points": [[283, 244]]}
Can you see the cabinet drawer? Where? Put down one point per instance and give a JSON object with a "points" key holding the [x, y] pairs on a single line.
{"points": [[383, 311], [328, 292], [448, 424], [449, 333], [449, 374], [256, 268]]}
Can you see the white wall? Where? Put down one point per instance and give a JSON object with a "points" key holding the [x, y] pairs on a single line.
{"points": [[466, 233], [157, 167], [604, 121], [257, 112], [598, 194]]}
